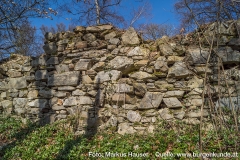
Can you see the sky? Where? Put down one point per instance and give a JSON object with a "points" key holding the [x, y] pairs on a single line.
{"points": [[162, 13]]}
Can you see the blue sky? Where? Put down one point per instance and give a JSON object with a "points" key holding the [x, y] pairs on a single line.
{"points": [[162, 12]]}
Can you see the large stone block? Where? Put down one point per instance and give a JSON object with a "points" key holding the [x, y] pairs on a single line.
{"points": [[99, 28], [172, 102], [83, 65], [151, 100], [38, 103], [179, 70], [50, 48], [140, 75], [228, 55], [123, 88], [40, 61], [138, 51], [133, 116], [198, 56], [17, 83], [105, 76], [130, 37], [64, 79], [41, 75], [122, 63]]}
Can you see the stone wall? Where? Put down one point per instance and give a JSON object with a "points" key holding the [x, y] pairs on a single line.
{"points": [[112, 79]]}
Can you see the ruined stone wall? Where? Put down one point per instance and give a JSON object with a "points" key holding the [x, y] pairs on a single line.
{"points": [[110, 78]]}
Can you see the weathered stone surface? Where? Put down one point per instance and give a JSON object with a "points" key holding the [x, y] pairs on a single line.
{"points": [[121, 98], [85, 100], [173, 59], [103, 76], [58, 107], [14, 74], [52, 61], [125, 128], [33, 94], [83, 65], [179, 70], [86, 79], [70, 101], [130, 37], [195, 83], [19, 105], [87, 54], [89, 37], [133, 116], [123, 88], [79, 29], [228, 55], [62, 68], [161, 66], [172, 102], [3, 86], [60, 94], [98, 66], [114, 41], [166, 50], [18, 83], [165, 114], [64, 79], [66, 88], [78, 92], [50, 48], [122, 63], [49, 36], [110, 35], [81, 45], [99, 28], [141, 63], [130, 106], [38, 103], [197, 114], [7, 104], [40, 61], [192, 121], [140, 75], [138, 51], [198, 56], [151, 100], [177, 94], [46, 93], [41, 75], [179, 114], [100, 98], [196, 102], [235, 43], [202, 70]]}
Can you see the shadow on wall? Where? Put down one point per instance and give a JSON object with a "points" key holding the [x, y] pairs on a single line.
{"points": [[42, 93], [90, 124]]}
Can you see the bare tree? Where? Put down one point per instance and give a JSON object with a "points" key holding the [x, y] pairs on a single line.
{"points": [[206, 11], [142, 12], [14, 13], [91, 12], [26, 40], [60, 27], [154, 31]]}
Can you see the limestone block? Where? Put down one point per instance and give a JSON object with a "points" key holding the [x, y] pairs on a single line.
{"points": [[151, 100], [172, 102]]}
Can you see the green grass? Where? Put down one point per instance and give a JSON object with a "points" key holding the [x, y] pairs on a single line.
{"points": [[56, 141]]}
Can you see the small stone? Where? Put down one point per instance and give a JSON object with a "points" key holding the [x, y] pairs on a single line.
{"points": [[133, 116]]}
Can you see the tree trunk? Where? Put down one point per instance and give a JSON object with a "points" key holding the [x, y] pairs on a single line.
{"points": [[97, 12]]}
